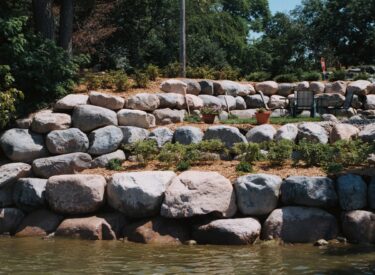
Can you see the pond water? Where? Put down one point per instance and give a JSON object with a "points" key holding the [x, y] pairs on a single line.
{"points": [[32, 256]]}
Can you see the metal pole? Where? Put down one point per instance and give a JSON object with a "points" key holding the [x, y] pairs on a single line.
{"points": [[182, 39]]}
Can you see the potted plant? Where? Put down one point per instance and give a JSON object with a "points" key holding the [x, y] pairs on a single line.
{"points": [[262, 116], [209, 113]]}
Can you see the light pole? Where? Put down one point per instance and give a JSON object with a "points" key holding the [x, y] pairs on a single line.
{"points": [[182, 39]]}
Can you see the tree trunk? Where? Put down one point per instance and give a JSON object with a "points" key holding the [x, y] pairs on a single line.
{"points": [[43, 18], [66, 25]]}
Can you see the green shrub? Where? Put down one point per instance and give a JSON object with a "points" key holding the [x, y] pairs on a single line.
{"points": [[141, 79], [286, 78], [338, 75], [212, 146], [153, 72], [227, 72], [171, 70], [244, 167], [9, 97], [280, 152], [248, 152], [362, 76], [311, 76], [171, 153], [183, 166], [120, 80], [144, 150], [312, 154], [192, 118], [258, 76], [203, 72], [115, 165]]}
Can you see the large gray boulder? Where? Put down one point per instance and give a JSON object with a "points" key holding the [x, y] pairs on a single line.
{"points": [[195, 193], [75, 194], [90, 117], [343, 131], [135, 118], [268, 87], [370, 102], [169, 116], [360, 87], [193, 86], [331, 100], [359, 226], [227, 102], [207, 87], [103, 160], [303, 86], [368, 133], [312, 132], [22, 145], [187, 135], [133, 134], [242, 231], [70, 101], [352, 191], [106, 100], [255, 101], [287, 132], [161, 135], [10, 218], [227, 134], [211, 101], [317, 87], [6, 196], [371, 194], [240, 103], [39, 223], [244, 114], [11, 172], [309, 191], [28, 194], [105, 140], [63, 164], [143, 102], [67, 141], [46, 121], [337, 87], [88, 228], [174, 86], [278, 102], [138, 194], [286, 89], [227, 87], [257, 194], [261, 133], [172, 100], [194, 102], [294, 224]]}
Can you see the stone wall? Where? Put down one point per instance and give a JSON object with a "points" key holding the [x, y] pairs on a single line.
{"points": [[204, 207]]}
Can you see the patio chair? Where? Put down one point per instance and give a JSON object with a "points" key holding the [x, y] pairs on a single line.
{"points": [[345, 106], [303, 100]]}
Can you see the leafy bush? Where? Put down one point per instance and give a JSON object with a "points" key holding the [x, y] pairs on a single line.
{"points": [[203, 72], [286, 78], [362, 76], [153, 72], [212, 146], [144, 150], [141, 79], [171, 153], [183, 165], [192, 118], [279, 152], [311, 76], [9, 96], [171, 70], [312, 154], [107, 80], [248, 152], [244, 167], [115, 165], [258, 76], [337, 75], [227, 72]]}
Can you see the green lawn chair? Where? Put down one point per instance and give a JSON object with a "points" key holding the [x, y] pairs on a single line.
{"points": [[303, 100]]}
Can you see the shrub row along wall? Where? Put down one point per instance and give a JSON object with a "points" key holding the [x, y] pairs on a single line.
{"points": [[161, 207]]}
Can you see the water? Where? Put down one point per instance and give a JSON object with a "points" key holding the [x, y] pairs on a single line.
{"points": [[32, 256]]}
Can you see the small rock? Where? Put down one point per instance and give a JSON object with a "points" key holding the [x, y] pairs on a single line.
{"points": [[11, 172], [24, 123], [103, 161], [321, 242], [330, 118], [63, 164]]}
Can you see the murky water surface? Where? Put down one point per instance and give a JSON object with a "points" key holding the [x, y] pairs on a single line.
{"points": [[32, 256]]}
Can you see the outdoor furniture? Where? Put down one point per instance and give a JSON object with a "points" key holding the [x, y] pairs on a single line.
{"points": [[346, 106], [303, 100]]}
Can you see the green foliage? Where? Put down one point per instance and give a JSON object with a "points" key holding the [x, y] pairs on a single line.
{"points": [[171, 70], [311, 76], [115, 165], [280, 152], [273, 120], [107, 80], [204, 72], [141, 79], [212, 146], [183, 166], [312, 154], [361, 76], [258, 76], [282, 78], [244, 167], [144, 150], [337, 75], [227, 72], [153, 72], [208, 110], [192, 118], [9, 97], [248, 152]]}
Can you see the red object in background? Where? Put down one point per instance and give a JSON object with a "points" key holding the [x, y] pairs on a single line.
{"points": [[323, 63]]}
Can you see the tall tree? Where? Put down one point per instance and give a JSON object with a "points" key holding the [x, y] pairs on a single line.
{"points": [[66, 25], [43, 18]]}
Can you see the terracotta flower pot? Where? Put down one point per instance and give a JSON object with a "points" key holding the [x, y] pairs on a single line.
{"points": [[208, 118], [263, 118]]}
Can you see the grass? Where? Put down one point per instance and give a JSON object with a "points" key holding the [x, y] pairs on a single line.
{"points": [[273, 120]]}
